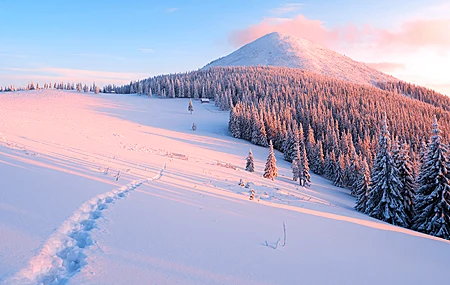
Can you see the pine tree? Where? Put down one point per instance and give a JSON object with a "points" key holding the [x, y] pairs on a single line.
{"points": [[295, 164], [310, 145], [432, 204], [385, 201], [289, 146], [330, 165], [259, 136], [362, 188], [305, 178], [271, 171], [403, 164], [233, 124], [422, 158], [339, 172], [318, 161], [250, 166], [190, 107]]}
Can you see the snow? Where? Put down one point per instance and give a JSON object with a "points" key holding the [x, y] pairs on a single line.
{"points": [[276, 49], [65, 219]]}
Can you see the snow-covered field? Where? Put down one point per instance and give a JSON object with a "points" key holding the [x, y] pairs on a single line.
{"points": [[176, 214]]}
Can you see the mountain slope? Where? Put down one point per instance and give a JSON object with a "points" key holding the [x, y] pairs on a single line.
{"points": [[277, 49]]}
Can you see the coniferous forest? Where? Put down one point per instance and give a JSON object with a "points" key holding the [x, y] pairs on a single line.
{"points": [[381, 141]]}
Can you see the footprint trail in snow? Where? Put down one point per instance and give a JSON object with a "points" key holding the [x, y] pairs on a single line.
{"points": [[62, 255]]}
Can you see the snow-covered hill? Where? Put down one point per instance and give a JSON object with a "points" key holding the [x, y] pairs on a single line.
{"points": [[176, 214], [277, 49]]}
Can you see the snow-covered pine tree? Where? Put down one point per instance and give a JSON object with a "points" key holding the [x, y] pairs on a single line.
{"points": [[310, 144], [289, 146], [262, 139], [339, 172], [271, 170], [330, 165], [422, 157], [362, 188], [233, 124], [403, 164], [352, 169], [295, 164], [305, 178], [385, 201], [250, 166], [190, 107], [150, 92], [259, 136], [318, 161], [432, 203]]}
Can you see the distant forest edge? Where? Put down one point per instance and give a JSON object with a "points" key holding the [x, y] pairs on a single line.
{"points": [[283, 95]]}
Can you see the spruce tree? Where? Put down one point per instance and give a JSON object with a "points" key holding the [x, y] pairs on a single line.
{"points": [[339, 172], [403, 164], [234, 124], [305, 178], [259, 136], [330, 165], [271, 171], [295, 164], [190, 107], [292, 140], [422, 157], [432, 204], [385, 201], [250, 166], [362, 188], [310, 145], [318, 161]]}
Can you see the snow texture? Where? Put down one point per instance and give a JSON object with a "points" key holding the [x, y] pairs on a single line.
{"points": [[195, 225], [63, 254]]}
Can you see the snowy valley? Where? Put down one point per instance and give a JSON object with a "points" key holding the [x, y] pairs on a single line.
{"points": [[118, 189]]}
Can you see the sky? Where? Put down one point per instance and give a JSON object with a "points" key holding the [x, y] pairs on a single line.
{"points": [[114, 42]]}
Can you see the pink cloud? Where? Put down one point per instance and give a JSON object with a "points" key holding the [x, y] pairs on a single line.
{"points": [[300, 26], [418, 33], [411, 34]]}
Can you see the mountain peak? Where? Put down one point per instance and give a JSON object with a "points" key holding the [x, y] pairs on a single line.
{"points": [[278, 49]]}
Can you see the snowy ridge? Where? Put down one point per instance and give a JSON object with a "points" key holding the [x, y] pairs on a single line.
{"points": [[62, 254], [277, 49]]}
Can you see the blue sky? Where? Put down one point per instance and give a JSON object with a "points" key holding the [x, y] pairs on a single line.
{"points": [[116, 41]]}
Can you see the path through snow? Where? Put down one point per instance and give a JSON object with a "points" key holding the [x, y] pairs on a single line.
{"points": [[63, 253]]}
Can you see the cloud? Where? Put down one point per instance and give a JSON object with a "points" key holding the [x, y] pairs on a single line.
{"points": [[300, 26], [148, 50], [411, 35], [171, 10], [386, 66], [417, 34], [286, 8]]}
